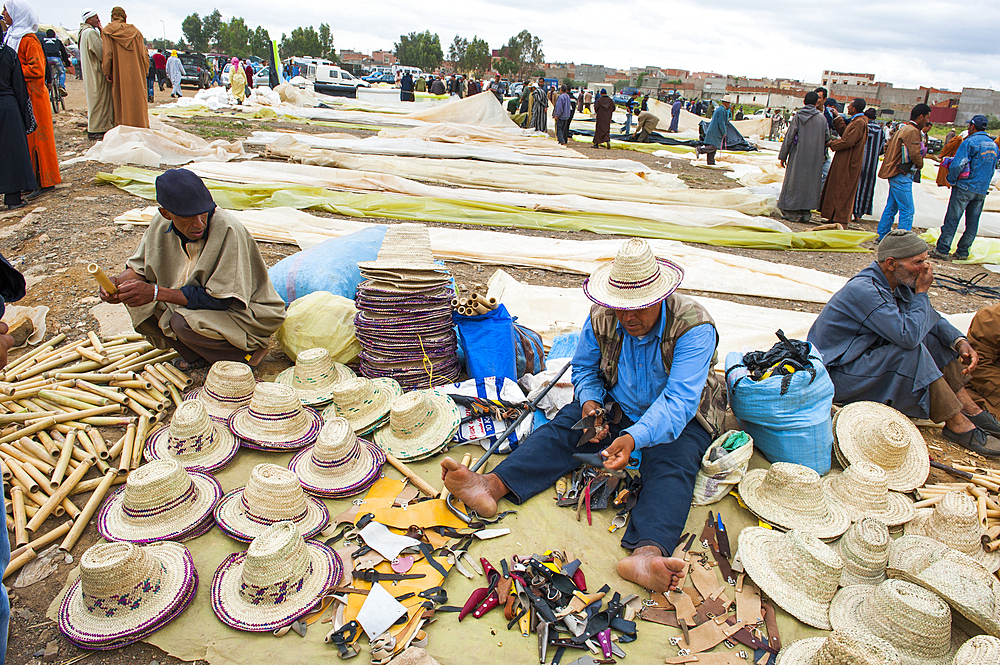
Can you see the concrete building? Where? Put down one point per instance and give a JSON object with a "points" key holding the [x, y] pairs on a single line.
{"points": [[831, 78], [591, 73], [976, 101]]}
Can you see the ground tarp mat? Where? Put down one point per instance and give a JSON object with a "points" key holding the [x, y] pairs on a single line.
{"points": [[479, 110], [734, 140], [158, 145], [654, 137]]}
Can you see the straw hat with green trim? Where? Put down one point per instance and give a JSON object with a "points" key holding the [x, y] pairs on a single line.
{"points": [[421, 423], [634, 280], [863, 488], [882, 435], [363, 402], [954, 521], [194, 439], [980, 650], [791, 496], [228, 386], [314, 376], [839, 648]]}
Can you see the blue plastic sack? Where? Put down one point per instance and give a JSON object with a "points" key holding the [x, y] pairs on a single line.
{"points": [[791, 427], [329, 266], [487, 341]]}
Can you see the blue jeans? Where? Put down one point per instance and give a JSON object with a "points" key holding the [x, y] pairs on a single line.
{"points": [[668, 471], [628, 124], [900, 200], [58, 68], [972, 204]]}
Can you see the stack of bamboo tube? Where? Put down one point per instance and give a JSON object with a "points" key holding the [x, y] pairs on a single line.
{"points": [[473, 305], [52, 400]]}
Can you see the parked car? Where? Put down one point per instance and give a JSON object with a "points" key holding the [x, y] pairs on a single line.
{"points": [[262, 77], [387, 77], [332, 80], [195, 70]]}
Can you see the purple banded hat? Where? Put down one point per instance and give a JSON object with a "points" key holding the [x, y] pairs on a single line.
{"points": [[634, 280], [194, 439], [275, 420], [339, 464], [228, 386]]}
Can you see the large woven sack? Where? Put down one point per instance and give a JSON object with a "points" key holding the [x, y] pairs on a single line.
{"points": [[320, 320], [717, 477]]}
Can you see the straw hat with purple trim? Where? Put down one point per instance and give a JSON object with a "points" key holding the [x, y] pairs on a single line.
{"points": [[277, 580], [314, 376], [363, 402], [160, 501], [839, 648], [275, 420], [980, 650], [272, 494], [863, 488], [421, 423], [193, 439], [954, 521], [634, 280], [791, 496], [882, 435], [126, 592], [339, 464], [228, 386]]}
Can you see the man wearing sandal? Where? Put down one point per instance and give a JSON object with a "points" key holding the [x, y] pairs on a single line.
{"points": [[197, 283]]}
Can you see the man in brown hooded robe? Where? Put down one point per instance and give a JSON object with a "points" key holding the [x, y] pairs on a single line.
{"points": [[604, 108], [125, 64], [839, 192]]}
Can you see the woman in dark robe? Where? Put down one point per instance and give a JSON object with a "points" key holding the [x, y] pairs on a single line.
{"points": [[604, 108], [406, 88], [16, 119]]}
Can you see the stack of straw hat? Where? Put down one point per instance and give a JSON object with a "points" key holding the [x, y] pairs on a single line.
{"points": [[791, 496], [404, 321], [228, 386], [865, 552], [275, 420], [882, 435], [194, 439], [980, 650], [339, 464], [364, 403], [839, 648], [272, 494], [314, 376], [863, 488], [954, 521], [421, 424]]}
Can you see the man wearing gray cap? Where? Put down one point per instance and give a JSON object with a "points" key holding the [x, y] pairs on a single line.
{"points": [[882, 341], [969, 177]]}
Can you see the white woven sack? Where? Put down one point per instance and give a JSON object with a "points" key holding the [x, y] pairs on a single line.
{"points": [[715, 479]]}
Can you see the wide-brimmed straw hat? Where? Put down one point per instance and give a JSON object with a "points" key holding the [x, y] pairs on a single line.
{"points": [[275, 420], [339, 464], [228, 386], [961, 581], [980, 650], [194, 439], [865, 552], [795, 569], [314, 376], [126, 592], [160, 501], [882, 435], [405, 246], [863, 488], [911, 618], [634, 280], [839, 648], [954, 521], [272, 494], [421, 423], [791, 496], [363, 402], [278, 579]]}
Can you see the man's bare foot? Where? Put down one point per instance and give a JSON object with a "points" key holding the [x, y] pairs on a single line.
{"points": [[478, 492], [648, 568]]}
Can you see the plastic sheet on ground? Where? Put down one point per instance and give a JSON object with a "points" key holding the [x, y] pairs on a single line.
{"points": [[480, 110], [159, 145], [515, 138], [984, 250], [704, 270], [689, 121], [929, 208]]}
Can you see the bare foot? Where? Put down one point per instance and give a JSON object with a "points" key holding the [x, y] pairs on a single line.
{"points": [[650, 569], [478, 492]]}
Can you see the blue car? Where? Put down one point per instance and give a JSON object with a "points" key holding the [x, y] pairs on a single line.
{"points": [[380, 78]]}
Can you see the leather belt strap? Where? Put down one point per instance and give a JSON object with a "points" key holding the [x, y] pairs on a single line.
{"points": [[709, 635]]}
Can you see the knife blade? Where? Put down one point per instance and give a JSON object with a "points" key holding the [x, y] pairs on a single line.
{"points": [[722, 537]]}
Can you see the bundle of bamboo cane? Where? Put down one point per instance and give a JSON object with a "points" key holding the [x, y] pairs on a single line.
{"points": [[475, 304]]}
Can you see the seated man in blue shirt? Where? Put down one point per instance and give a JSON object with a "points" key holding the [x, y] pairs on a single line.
{"points": [[652, 352]]}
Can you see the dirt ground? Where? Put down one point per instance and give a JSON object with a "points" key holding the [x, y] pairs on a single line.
{"points": [[52, 241]]}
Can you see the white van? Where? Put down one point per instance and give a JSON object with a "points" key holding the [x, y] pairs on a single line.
{"points": [[332, 80]]}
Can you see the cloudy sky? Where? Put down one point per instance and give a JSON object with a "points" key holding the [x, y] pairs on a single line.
{"points": [[906, 42]]}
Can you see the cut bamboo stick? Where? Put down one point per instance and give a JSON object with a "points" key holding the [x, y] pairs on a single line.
{"points": [[92, 355], [929, 502], [95, 341], [58, 496], [94, 377], [64, 456], [152, 378], [20, 520], [23, 416], [16, 564], [981, 508], [143, 399], [50, 445], [91, 484], [106, 393], [44, 539], [98, 440], [84, 439], [114, 367], [188, 381], [45, 423], [126, 458], [80, 523], [37, 476], [5, 470], [135, 384], [102, 279], [175, 395], [35, 449], [116, 450], [30, 357], [9, 452], [141, 432], [84, 413], [27, 482], [83, 396]]}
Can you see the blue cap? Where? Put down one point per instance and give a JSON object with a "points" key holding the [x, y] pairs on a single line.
{"points": [[604, 91], [183, 193], [980, 121]]}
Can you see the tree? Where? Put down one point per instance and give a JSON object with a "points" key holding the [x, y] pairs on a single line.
{"points": [[478, 56], [525, 51], [193, 32], [234, 38], [302, 42], [639, 79], [457, 52], [211, 25], [419, 49], [326, 43], [260, 43], [505, 67]]}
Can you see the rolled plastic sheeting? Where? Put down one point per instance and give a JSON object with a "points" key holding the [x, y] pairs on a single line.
{"points": [[158, 145]]}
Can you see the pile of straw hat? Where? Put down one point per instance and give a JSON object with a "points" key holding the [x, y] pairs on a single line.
{"points": [[275, 420], [421, 423], [795, 569], [839, 648], [634, 280], [911, 618], [228, 386], [194, 439], [404, 322], [314, 376], [339, 464], [160, 501], [954, 521], [272, 494], [277, 580], [791, 496], [980, 650], [873, 432], [364, 403], [863, 488], [865, 552], [126, 592]]}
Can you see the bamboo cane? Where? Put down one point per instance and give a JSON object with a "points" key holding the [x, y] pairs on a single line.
{"points": [[64, 456], [84, 438], [188, 381], [126, 458], [30, 357], [92, 355], [141, 432], [929, 502], [98, 440], [84, 413], [17, 501], [113, 395], [45, 423], [43, 540], [94, 377], [29, 484], [16, 564], [58, 496], [5, 470], [145, 400], [90, 398], [58, 398], [134, 384], [175, 395], [95, 341], [153, 379], [116, 450], [80, 523], [981, 508], [83, 366], [50, 445], [35, 449], [114, 367], [102, 279], [37, 476], [123, 336], [91, 484]]}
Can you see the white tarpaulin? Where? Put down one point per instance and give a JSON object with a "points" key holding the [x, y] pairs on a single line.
{"points": [[688, 122], [929, 208], [159, 145], [481, 110]]}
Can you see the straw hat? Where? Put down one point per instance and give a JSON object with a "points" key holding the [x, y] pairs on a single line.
{"points": [[839, 648], [275, 420], [791, 496], [363, 402], [421, 423], [228, 386], [882, 435], [272, 494], [126, 592], [912, 619], [980, 650], [193, 439], [795, 569], [865, 552], [963, 583], [863, 488], [314, 376], [406, 246], [339, 464], [634, 280], [278, 579], [954, 521], [159, 501]]}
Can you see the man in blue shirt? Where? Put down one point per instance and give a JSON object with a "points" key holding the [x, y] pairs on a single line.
{"points": [[969, 176], [651, 351], [562, 114]]}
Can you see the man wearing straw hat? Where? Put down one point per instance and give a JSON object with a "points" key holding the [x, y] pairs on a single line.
{"points": [[650, 351], [882, 341], [197, 282]]}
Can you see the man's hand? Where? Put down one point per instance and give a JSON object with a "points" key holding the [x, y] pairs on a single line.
{"points": [[589, 408], [6, 343], [617, 454], [115, 298], [967, 355], [135, 292], [925, 278]]}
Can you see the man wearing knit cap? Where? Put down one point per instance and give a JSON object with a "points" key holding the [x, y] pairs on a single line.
{"points": [[882, 342], [197, 283]]}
